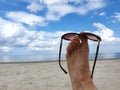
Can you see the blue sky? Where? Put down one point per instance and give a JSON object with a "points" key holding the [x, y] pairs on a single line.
{"points": [[35, 26]]}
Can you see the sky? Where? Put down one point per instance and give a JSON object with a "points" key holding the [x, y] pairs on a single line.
{"points": [[36, 26]]}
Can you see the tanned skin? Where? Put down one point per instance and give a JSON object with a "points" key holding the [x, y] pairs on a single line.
{"points": [[78, 64]]}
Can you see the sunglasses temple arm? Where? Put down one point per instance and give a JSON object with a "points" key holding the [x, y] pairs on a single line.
{"points": [[60, 49], [95, 58]]}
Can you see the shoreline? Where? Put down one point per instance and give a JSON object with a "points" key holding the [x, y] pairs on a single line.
{"points": [[50, 61]]}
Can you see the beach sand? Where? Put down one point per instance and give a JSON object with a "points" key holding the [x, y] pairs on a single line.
{"points": [[48, 76]]}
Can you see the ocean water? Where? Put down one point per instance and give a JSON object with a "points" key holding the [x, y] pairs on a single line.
{"points": [[51, 57], [106, 56]]}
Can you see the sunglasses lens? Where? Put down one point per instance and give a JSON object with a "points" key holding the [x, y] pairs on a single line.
{"points": [[68, 36], [92, 37]]}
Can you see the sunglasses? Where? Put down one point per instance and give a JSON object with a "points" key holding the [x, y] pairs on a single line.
{"points": [[70, 36]]}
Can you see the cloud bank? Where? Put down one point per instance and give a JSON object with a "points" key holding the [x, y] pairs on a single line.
{"points": [[105, 33], [14, 34]]}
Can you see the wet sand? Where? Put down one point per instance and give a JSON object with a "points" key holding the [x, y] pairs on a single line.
{"points": [[48, 76]]}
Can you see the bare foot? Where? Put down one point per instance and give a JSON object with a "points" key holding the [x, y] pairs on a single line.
{"points": [[78, 64]]}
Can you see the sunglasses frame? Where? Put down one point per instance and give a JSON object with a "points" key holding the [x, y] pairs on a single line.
{"points": [[85, 34]]}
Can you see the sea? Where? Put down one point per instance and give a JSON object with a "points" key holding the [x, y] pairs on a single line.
{"points": [[52, 57]]}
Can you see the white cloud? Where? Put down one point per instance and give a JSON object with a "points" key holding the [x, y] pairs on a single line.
{"points": [[53, 2], [102, 13], [9, 29], [117, 16], [12, 33], [90, 5], [105, 33], [5, 48], [95, 4], [34, 7], [42, 45], [55, 12], [16, 35], [46, 41], [26, 18], [55, 9]]}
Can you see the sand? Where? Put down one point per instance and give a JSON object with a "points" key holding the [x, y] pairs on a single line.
{"points": [[48, 76]]}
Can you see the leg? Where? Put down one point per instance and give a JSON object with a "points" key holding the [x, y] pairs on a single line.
{"points": [[78, 64]]}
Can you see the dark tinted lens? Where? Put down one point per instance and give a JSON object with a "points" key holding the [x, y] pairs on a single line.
{"points": [[69, 36], [92, 36]]}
